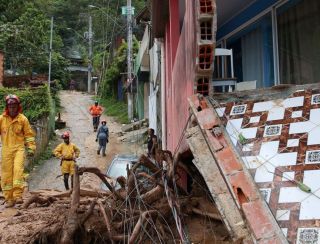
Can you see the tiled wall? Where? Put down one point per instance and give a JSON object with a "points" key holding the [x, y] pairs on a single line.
{"points": [[279, 141]]}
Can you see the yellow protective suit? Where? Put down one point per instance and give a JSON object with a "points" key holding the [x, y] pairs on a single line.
{"points": [[68, 152], [15, 135]]}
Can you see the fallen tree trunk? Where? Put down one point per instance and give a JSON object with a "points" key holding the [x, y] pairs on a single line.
{"points": [[102, 177], [139, 212], [72, 223]]}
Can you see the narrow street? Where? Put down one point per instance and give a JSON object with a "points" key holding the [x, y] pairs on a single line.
{"points": [[79, 123]]}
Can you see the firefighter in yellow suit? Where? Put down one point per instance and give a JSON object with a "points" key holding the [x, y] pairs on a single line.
{"points": [[67, 152], [16, 134]]}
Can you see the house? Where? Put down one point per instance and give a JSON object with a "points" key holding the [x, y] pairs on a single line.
{"points": [[78, 70], [274, 43]]}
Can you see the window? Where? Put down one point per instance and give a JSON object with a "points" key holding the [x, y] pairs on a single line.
{"points": [[253, 53], [298, 24]]}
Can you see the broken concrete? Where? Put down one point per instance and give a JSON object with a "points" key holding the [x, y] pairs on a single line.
{"points": [[218, 188], [236, 179], [135, 125]]}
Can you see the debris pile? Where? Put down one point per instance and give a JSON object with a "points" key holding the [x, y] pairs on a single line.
{"points": [[148, 206]]}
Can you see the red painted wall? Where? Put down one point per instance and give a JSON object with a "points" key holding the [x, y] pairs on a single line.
{"points": [[180, 75]]}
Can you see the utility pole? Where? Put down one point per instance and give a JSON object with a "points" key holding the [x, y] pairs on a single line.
{"points": [[90, 36], [129, 26], [50, 54]]}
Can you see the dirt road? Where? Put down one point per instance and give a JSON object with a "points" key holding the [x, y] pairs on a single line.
{"points": [[79, 123]]}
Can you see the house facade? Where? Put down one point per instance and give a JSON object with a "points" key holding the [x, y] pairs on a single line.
{"points": [[274, 42]]}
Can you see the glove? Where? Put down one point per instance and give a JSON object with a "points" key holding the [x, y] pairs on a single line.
{"points": [[30, 152], [96, 139]]}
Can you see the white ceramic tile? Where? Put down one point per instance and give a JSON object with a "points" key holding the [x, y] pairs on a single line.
{"points": [[308, 236], [283, 214], [233, 128], [238, 109], [312, 157], [270, 159], [293, 143], [252, 162], [262, 106], [296, 114], [300, 127], [249, 133], [285, 231], [293, 102], [269, 149], [285, 159], [309, 203], [310, 206], [265, 193], [264, 173], [286, 176], [272, 130], [220, 111], [247, 147], [291, 194], [312, 127], [254, 119], [276, 113], [315, 99]]}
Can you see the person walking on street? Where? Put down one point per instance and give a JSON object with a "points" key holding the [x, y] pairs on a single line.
{"points": [[95, 111], [72, 85], [16, 134], [152, 143], [67, 152], [103, 137]]}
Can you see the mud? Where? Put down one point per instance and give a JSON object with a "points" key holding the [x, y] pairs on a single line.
{"points": [[79, 123]]}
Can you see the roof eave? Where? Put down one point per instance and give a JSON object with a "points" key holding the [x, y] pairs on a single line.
{"points": [[159, 17]]}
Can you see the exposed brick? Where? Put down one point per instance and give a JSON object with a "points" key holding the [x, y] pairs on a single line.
{"points": [[206, 6], [206, 30], [203, 85], [258, 221], [205, 57], [243, 188], [206, 119], [228, 161]]}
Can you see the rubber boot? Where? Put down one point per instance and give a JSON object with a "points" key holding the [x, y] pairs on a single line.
{"points": [[65, 179], [10, 204], [71, 181], [19, 200]]}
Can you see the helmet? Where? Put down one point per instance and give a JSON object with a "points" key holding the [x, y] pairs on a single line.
{"points": [[65, 135], [103, 121], [11, 98]]}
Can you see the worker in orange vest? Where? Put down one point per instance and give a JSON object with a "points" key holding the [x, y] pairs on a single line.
{"points": [[95, 111]]}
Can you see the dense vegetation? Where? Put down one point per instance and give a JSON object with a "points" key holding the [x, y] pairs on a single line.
{"points": [[34, 101], [25, 33]]}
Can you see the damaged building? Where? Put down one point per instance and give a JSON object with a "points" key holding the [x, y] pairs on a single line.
{"points": [[253, 131]]}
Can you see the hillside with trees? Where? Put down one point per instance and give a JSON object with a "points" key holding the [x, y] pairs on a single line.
{"points": [[25, 33]]}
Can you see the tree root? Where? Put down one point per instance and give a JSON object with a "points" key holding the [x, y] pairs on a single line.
{"points": [[38, 199]]}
